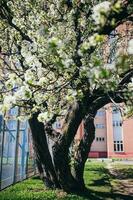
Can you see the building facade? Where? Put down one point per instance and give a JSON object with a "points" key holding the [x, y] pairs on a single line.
{"points": [[113, 137]]}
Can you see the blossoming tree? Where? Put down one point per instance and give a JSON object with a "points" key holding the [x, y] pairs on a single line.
{"points": [[52, 67]]}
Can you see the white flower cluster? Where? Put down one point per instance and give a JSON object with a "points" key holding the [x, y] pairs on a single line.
{"points": [[23, 93], [8, 103], [55, 42], [130, 85], [91, 42], [44, 116], [100, 11], [26, 51], [67, 62], [29, 76], [71, 95], [130, 47], [13, 81], [42, 81]]}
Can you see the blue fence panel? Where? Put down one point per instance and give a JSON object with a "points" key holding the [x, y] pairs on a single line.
{"points": [[16, 152]]}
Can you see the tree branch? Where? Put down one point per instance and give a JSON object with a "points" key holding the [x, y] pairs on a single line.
{"points": [[6, 14]]}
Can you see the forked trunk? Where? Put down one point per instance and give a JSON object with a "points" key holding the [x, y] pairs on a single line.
{"points": [[54, 166], [63, 168], [54, 171], [43, 157]]}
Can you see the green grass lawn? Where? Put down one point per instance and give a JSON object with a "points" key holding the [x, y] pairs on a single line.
{"points": [[97, 179]]}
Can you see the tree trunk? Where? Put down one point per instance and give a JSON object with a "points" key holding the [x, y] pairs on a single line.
{"points": [[54, 171], [61, 148], [84, 146], [55, 168], [63, 168], [43, 157], [83, 149]]}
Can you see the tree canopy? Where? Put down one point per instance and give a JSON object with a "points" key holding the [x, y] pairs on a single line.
{"points": [[51, 53]]}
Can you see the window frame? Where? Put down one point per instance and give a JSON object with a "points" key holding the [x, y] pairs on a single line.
{"points": [[118, 146]]}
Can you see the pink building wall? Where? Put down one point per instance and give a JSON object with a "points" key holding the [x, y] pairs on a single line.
{"points": [[99, 145], [128, 136], [105, 147]]}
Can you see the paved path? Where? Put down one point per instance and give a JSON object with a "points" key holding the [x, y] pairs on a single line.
{"points": [[120, 184]]}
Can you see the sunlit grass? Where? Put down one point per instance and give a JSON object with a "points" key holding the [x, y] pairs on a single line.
{"points": [[97, 179]]}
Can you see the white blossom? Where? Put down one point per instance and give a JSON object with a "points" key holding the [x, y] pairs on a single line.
{"points": [[40, 72], [91, 42], [29, 76], [55, 42], [8, 102], [49, 63], [24, 93], [39, 98], [99, 12], [67, 62], [52, 9], [42, 81], [42, 117], [29, 58], [9, 99], [130, 47]]}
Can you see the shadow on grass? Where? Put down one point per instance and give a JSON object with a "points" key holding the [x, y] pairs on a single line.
{"points": [[98, 182], [101, 187], [124, 173], [36, 177], [105, 177], [91, 195], [104, 174]]}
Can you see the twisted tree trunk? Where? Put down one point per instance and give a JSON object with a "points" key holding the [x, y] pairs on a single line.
{"points": [[43, 157], [54, 166], [55, 170], [62, 167], [83, 149], [61, 148]]}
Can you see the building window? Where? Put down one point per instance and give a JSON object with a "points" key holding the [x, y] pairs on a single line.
{"points": [[100, 113], [13, 111], [22, 125], [117, 123], [100, 139], [100, 126], [11, 124], [118, 146], [115, 110], [57, 125]]}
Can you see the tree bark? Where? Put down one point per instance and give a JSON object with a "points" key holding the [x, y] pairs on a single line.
{"points": [[83, 149], [43, 157], [61, 148], [63, 168], [54, 171], [84, 146]]}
